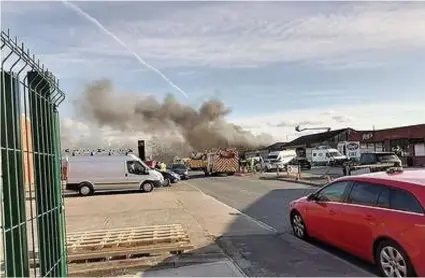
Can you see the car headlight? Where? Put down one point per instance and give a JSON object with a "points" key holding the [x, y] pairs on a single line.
{"points": [[186, 173]]}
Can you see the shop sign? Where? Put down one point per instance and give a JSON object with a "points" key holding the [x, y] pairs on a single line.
{"points": [[367, 136], [352, 146]]}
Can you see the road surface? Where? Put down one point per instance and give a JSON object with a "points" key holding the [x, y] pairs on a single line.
{"points": [[279, 254], [334, 172]]}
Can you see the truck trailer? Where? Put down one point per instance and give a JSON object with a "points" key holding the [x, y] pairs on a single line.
{"points": [[197, 161]]}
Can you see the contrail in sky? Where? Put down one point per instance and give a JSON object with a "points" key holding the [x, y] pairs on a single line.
{"points": [[118, 40]]}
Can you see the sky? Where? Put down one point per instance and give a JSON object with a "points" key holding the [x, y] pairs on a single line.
{"points": [[275, 64]]}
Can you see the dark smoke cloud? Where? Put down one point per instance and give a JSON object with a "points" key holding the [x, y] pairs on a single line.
{"points": [[201, 128]]}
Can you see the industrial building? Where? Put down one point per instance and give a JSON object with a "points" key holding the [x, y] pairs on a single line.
{"points": [[410, 139]]}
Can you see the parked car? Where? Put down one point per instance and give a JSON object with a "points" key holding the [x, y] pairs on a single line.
{"points": [[379, 217], [170, 177], [180, 169], [372, 162]]}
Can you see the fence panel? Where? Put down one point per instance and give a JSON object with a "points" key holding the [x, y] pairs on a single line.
{"points": [[32, 211]]}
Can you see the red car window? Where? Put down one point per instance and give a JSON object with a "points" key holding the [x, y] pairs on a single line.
{"points": [[405, 201], [334, 192], [363, 193], [384, 198]]}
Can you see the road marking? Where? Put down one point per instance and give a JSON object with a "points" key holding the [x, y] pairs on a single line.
{"points": [[258, 222], [279, 184]]}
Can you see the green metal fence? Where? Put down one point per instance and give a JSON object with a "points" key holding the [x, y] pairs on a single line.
{"points": [[32, 210]]}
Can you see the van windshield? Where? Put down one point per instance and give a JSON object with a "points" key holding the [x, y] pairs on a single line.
{"points": [[178, 166], [288, 156], [272, 157], [335, 153], [143, 164], [387, 157]]}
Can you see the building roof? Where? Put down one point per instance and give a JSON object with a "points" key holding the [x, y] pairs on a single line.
{"points": [[393, 128], [316, 137], [277, 146]]}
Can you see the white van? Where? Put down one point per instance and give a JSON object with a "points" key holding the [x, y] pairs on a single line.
{"points": [[87, 174], [327, 156], [279, 159]]}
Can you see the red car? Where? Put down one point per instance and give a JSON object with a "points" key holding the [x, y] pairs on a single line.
{"points": [[151, 163], [378, 217]]}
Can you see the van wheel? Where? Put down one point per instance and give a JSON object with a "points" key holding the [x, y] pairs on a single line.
{"points": [[85, 189], [147, 187], [167, 182]]}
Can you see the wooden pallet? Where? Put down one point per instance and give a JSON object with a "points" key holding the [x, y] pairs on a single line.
{"points": [[123, 244], [108, 268], [128, 237], [127, 253]]}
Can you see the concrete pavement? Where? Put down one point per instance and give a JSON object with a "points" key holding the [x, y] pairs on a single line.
{"points": [[279, 253], [224, 268], [204, 218]]}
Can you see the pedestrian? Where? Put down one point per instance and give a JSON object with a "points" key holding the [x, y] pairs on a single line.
{"points": [[163, 167], [262, 164], [252, 165]]}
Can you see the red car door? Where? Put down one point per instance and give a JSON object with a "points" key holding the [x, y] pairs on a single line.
{"points": [[316, 220], [323, 210], [362, 217]]}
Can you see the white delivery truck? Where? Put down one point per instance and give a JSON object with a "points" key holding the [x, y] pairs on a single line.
{"points": [[87, 174], [327, 156], [279, 159]]}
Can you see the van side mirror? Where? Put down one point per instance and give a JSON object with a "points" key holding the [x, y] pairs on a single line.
{"points": [[146, 171]]}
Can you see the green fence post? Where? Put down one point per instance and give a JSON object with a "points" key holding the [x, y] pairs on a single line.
{"points": [[14, 216], [40, 102], [59, 195]]}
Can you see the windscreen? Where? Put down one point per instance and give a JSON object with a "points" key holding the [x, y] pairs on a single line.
{"points": [[387, 157], [334, 153], [178, 166], [288, 156]]}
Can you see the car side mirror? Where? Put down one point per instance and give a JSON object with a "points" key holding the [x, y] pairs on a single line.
{"points": [[311, 197], [146, 171]]}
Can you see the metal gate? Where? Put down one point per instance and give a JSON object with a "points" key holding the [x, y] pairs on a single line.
{"points": [[32, 211]]}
